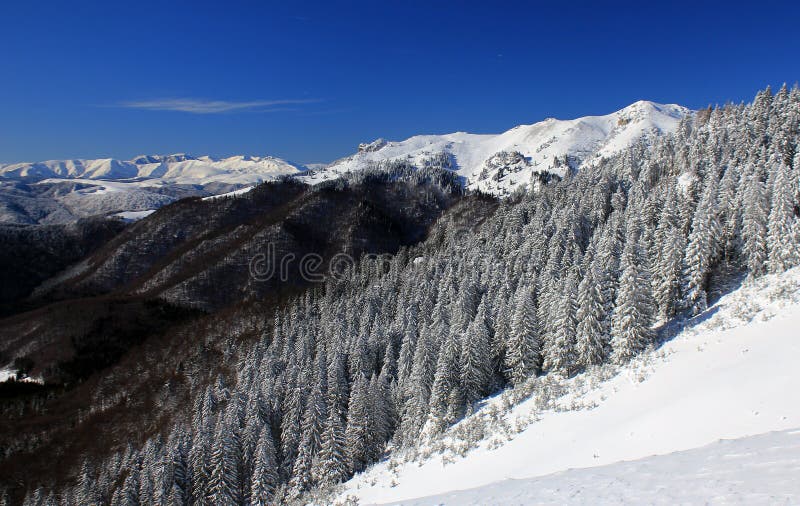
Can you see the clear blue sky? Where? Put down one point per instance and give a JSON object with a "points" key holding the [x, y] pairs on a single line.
{"points": [[307, 81]]}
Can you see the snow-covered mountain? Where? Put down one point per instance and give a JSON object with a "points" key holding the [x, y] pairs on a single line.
{"points": [[500, 163], [60, 191], [173, 169], [729, 375]]}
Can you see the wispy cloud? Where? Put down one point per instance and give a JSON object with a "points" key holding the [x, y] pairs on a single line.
{"points": [[201, 106]]}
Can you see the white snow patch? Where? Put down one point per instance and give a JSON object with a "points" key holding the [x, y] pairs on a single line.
{"points": [[134, 215], [234, 193], [8, 374]]}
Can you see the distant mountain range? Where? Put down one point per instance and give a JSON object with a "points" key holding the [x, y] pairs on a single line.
{"points": [[60, 191], [169, 169]]}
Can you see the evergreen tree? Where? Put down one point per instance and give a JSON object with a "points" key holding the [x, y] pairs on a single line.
{"points": [[559, 353], [332, 466], [704, 242], [590, 345], [783, 237], [265, 475], [357, 433], [633, 314], [223, 485], [670, 244], [447, 378], [754, 227], [523, 348], [565, 276], [302, 479], [474, 352]]}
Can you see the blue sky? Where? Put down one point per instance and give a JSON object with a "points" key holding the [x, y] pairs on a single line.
{"points": [[308, 81]]}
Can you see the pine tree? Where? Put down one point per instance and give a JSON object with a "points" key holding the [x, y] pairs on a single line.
{"points": [[416, 407], [223, 484], [704, 242], [667, 290], [782, 238], [633, 314], [357, 433], [590, 345], [314, 418], [731, 209], [523, 348], [447, 378], [332, 466], [380, 401], [302, 479], [85, 493], [199, 463], [130, 489], [265, 471], [176, 496], [670, 244], [290, 424], [475, 349], [559, 352], [754, 227]]}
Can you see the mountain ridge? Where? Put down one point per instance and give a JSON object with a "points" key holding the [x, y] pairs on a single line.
{"points": [[175, 168], [499, 163], [540, 143]]}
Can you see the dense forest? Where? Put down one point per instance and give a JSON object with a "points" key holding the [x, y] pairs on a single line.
{"points": [[558, 279]]}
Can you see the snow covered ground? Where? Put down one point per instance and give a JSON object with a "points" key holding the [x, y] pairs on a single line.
{"points": [[135, 215], [730, 374], [761, 469]]}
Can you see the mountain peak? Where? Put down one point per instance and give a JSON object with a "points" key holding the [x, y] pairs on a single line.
{"points": [[551, 145]]}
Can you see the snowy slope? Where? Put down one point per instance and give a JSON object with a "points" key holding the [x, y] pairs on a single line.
{"points": [[731, 373], [484, 159], [759, 469]]}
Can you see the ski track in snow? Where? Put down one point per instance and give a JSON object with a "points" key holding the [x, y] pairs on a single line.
{"points": [[730, 374]]}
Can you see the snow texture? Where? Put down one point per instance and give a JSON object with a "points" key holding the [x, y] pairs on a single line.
{"points": [[759, 469]]}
